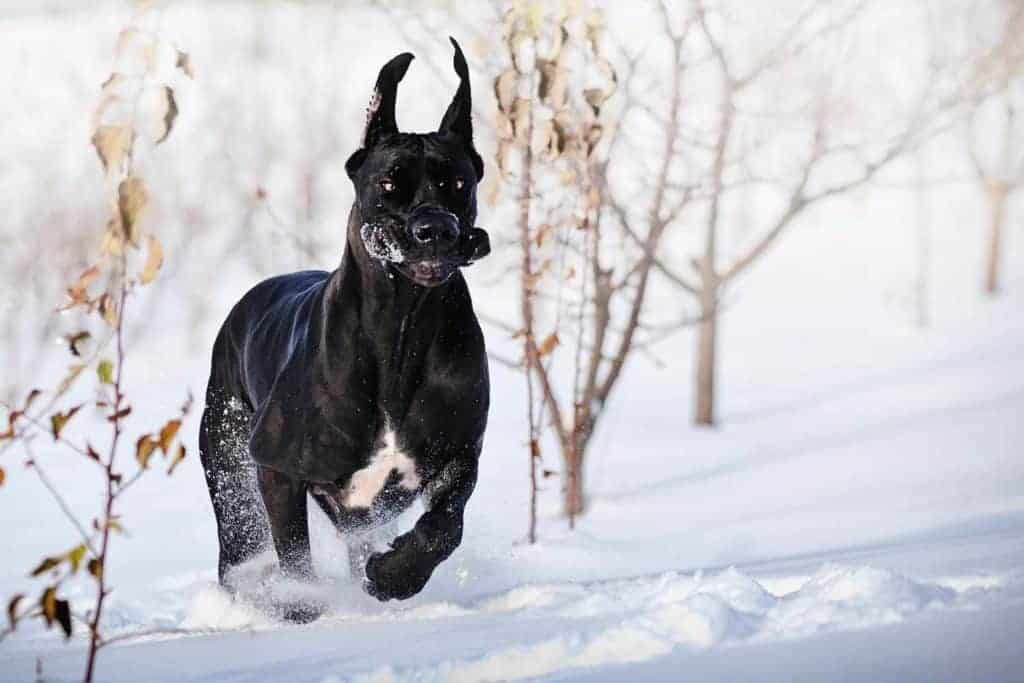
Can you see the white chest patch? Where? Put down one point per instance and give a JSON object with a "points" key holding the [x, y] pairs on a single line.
{"points": [[366, 483]]}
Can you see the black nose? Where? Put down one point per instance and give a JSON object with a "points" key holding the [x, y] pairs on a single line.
{"points": [[440, 229]]}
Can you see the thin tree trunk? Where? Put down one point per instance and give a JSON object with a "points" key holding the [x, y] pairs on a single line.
{"points": [[997, 195], [704, 413], [574, 501]]}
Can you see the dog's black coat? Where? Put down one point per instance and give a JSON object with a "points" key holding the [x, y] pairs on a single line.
{"points": [[316, 373]]}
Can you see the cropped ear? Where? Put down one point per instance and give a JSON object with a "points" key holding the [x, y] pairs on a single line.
{"points": [[458, 120], [380, 114]]}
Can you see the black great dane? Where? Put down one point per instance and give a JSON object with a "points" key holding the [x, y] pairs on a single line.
{"points": [[364, 388]]}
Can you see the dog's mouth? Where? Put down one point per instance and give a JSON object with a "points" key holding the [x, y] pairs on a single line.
{"points": [[428, 272]]}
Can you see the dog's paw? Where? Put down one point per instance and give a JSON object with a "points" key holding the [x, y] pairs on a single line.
{"points": [[300, 612], [390, 577]]}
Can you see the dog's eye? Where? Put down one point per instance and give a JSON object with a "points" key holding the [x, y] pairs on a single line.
{"points": [[387, 185], [460, 183]]}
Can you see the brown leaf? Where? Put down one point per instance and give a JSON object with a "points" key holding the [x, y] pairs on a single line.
{"points": [[12, 609], [167, 434], [32, 396], [48, 604], [543, 232], [170, 113], [78, 291], [553, 87], [548, 345], [108, 309], [3, 476], [505, 89], [186, 407], [46, 565], [120, 415], [179, 455], [154, 260], [73, 372], [520, 114], [113, 238], [113, 145], [144, 448], [74, 340], [62, 613], [185, 64], [59, 419], [95, 568], [132, 198]]}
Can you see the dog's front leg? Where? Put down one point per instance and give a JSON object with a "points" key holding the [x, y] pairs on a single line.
{"points": [[402, 571], [285, 501]]}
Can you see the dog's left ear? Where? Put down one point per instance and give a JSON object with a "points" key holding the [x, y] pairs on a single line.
{"points": [[458, 120], [380, 115]]}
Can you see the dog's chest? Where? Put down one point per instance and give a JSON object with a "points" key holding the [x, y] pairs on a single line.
{"points": [[389, 467]]}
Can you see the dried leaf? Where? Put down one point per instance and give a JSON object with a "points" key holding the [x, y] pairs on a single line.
{"points": [[74, 340], [132, 198], [596, 97], [108, 309], [186, 407], [105, 371], [12, 609], [73, 372], [170, 108], [113, 238], [184, 63], [144, 448], [3, 476], [179, 455], [78, 292], [520, 115], [62, 613], [48, 604], [505, 89], [75, 556], [553, 86], [95, 568], [548, 345], [113, 145], [167, 434], [58, 420], [120, 415], [543, 232], [535, 17], [46, 565], [154, 260]]}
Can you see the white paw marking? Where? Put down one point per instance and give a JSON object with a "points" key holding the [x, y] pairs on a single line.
{"points": [[366, 483]]}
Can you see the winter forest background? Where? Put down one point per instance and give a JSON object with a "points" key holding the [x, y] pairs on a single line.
{"points": [[754, 309]]}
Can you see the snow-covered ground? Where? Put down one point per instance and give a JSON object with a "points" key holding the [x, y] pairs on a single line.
{"points": [[858, 515]]}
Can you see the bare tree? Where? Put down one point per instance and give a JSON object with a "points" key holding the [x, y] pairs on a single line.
{"points": [[996, 93], [728, 152]]}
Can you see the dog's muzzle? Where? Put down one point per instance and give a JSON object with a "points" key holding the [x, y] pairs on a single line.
{"points": [[434, 229]]}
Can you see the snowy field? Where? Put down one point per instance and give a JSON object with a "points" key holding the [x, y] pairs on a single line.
{"points": [[858, 515]]}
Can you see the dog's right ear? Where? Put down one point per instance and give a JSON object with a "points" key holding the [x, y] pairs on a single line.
{"points": [[380, 114]]}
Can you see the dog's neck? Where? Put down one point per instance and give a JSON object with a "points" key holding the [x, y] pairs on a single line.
{"points": [[371, 299]]}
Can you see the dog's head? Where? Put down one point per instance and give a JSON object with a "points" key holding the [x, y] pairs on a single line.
{"points": [[416, 193]]}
